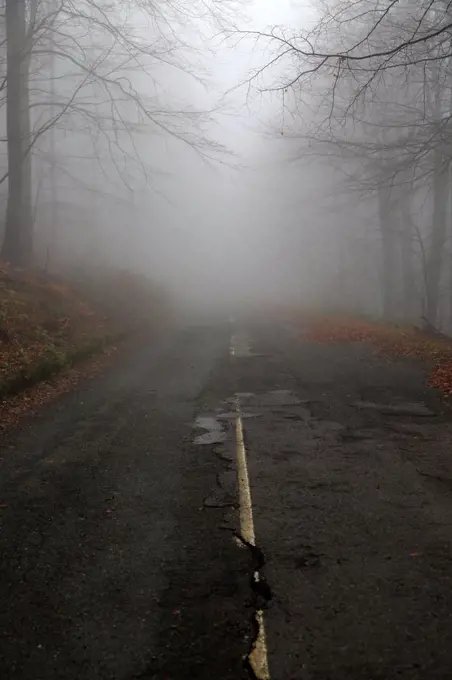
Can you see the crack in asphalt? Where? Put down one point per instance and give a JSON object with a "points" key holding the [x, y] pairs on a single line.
{"points": [[263, 594], [258, 582], [255, 660], [261, 590]]}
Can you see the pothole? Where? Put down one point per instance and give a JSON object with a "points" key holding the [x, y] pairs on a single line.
{"points": [[232, 415], [241, 346], [219, 499], [214, 433], [273, 398]]}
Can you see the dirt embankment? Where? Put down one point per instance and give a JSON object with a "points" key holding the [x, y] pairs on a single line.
{"points": [[48, 323]]}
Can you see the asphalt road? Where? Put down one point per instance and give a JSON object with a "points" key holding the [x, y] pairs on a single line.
{"points": [[125, 536]]}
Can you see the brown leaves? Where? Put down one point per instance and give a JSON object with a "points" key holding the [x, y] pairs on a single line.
{"points": [[392, 340], [42, 319], [441, 376], [28, 402], [47, 324]]}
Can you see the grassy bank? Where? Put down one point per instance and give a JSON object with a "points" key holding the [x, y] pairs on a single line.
{"points": [[48, 323]]}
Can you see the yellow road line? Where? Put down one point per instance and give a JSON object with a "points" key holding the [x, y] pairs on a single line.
{"points": [[259, 655], [246, 506]]}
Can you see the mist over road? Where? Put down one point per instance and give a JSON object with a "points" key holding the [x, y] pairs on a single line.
{"points": [[129, 550]]}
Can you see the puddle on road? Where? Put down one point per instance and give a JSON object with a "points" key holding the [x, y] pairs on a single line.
{"points": [[213, 425], [273, 398], [241, 347], [214, 434], [232, 415]]}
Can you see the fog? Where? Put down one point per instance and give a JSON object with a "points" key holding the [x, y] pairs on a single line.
{"points": [[236, 153]]}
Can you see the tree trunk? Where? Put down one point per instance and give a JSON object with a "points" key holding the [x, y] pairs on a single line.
{"points": [[27, 206], [18, 238], [438, 237], [449, 298], [407, 256], [449, 263], [389, 254]]}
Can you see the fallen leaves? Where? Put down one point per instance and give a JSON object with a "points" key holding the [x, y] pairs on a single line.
{"points": [[48, 324], [392, 340], [42, 321], [31, 400]]}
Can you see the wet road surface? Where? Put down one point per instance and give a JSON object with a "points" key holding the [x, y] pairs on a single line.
{"points": [[127, 547]]}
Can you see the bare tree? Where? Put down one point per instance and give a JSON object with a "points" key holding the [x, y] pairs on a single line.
{"points": [[17, 244], [378, 76], [106, 55]]}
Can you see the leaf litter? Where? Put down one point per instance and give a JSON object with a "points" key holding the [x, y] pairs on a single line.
{"points": [[393, 341]]}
